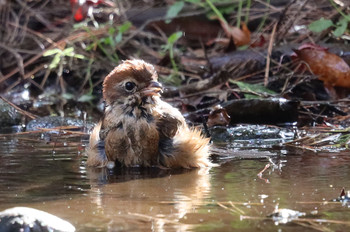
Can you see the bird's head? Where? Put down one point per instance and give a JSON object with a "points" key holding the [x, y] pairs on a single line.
{"points": [[131, 83]]}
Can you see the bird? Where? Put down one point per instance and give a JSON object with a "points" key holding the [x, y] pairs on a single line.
{"points": [[139, 129]]}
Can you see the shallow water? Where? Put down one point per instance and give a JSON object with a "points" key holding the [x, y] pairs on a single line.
{"points": [[47, 172]]}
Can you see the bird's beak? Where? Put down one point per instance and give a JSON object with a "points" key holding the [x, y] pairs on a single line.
{"points": [[153, 88]]}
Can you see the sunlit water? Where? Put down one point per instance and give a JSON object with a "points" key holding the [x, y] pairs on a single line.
{"points": [[47, 172]]}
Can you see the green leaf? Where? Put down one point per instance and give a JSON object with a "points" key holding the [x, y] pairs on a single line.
{"points": [[174, 10], [124, 27], [197, 2], [243, 47], [112, 42], [121, 30], [111, 30], [106, 40], [85, 98], [253, 88], [320, 25], [118, 38], [80, 25], [68, 51], [343, 139], [194, 1], [174, 37], [90, 46], [250, 96], [68, 96], [79, 56], [341, 27], [227, 9], [52, 52], [55, 61]]}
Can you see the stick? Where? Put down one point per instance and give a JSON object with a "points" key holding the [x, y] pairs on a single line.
{"points": [[268, 58], [23, 112]]}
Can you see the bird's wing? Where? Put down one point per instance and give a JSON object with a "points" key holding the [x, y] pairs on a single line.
{"points": [[168, 125], [169, 120], [179, 145]]}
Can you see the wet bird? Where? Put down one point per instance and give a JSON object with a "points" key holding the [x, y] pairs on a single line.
{"points": [[140, 129]]}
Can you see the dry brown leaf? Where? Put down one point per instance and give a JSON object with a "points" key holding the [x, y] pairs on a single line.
{"points": [[329, 67], [240, 36]]}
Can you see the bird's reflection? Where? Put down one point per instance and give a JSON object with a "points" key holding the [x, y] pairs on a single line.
{"points": [[153, 198]]}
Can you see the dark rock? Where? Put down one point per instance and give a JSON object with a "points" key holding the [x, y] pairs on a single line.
{"points": [[32, 220], [8, 115], [262, 111]]}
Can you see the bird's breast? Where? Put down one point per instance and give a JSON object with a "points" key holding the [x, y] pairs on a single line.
{"points": [[135, 142]]}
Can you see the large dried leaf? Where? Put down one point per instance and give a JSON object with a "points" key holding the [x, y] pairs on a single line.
{"points": [[329, 67]]}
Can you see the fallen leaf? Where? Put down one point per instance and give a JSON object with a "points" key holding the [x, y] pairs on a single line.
{"points": [[260, 42], [218, 117], [312, 46], [241, 36], [329, 67]]}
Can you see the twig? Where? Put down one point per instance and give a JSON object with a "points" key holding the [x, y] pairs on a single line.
{"points": [[36, 15], [221, 202], [261, 172], [269, 51], [63, 129], [314, 225], [17, 56], [235, 207], [318, 202], [301, 220], [150, 218], [23, 112], [234, 210]]}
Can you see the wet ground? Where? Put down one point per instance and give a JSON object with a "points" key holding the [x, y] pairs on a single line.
{"points": [[47, 172]]}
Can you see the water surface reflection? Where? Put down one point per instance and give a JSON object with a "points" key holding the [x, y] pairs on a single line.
{"points": [[50, 175]]}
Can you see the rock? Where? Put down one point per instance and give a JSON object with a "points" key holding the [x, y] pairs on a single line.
{"points": [[274, 111], [8, 115], [32, 220], [283, 216]]}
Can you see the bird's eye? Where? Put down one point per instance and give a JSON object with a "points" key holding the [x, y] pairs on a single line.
{"points": [[129, 86]]}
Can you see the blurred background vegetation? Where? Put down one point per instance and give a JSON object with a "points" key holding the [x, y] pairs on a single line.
{"points": [[55, 54]]}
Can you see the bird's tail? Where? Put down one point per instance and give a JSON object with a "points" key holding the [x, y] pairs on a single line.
{"points": [[95, 150], [190, 149]]}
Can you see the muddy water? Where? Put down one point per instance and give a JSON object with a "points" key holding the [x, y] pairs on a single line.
{"points": [[47, 172]]}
